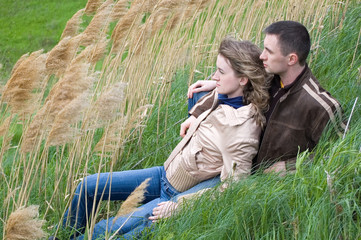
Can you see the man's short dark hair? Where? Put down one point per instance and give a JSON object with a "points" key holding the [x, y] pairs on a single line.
{"points": [[292, 37]]}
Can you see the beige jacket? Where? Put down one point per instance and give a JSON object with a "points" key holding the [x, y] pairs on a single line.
{"points": [[223, 140]]}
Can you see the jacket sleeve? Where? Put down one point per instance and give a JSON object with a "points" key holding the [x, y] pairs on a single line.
{"points": [[335, 121], [203, 104], [194, 195]]}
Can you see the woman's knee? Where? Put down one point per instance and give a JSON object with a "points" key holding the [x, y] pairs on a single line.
{"points": [[87, 185]]}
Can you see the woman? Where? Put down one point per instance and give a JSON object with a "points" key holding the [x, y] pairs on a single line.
{"points": [[221, 141]]}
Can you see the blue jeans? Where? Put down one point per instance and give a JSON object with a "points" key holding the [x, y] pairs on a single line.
{"points": [[118, 186], [194, 100]]}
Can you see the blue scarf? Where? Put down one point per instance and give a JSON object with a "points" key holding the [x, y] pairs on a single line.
{"points": [[235, 102]]}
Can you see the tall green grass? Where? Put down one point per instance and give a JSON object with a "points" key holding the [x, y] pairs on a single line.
{"points": [[158, 69]]}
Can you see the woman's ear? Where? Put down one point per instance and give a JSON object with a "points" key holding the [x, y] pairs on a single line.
{"points": [[243, 81]]}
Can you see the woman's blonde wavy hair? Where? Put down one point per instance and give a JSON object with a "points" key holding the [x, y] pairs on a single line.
{"points": [[243, 56]]}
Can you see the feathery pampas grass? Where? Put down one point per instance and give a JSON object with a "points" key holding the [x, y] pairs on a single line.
{"points": [[73, 25], [106, 107], [120, 130], [94, 52], [61, 55], [119, 10], [23, 224], [62, 131], [92, 6], [75, 82], [133, 201], [129, 206], [27, 76], [18, 62], [4, 127], [98, 26], [121, 30], [113, 138]]}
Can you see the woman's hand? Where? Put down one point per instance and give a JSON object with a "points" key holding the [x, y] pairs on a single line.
{"points": [[186, 125], [164, 210], [278, 167], [201, 86]]}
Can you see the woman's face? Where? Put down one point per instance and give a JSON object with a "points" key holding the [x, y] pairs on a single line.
{"points": [[226, 80]]}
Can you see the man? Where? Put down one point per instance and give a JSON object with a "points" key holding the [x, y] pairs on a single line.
{"points": [[299, 108]]}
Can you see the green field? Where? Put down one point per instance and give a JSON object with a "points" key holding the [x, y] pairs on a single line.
{"points": [[322, 200], [27, 26]]}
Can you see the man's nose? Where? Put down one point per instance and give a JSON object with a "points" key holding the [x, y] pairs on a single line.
{"points": [[262, 56]]}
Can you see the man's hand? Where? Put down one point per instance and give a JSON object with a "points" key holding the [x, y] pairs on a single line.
{"points": [[186, 125], [201, 86], [164, 210], [278, 167]]}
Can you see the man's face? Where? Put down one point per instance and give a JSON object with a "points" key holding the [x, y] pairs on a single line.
{"points": [[273, 59]]}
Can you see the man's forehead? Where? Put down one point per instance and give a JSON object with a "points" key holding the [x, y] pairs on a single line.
{"points": [[271, 40], [271, 37]]}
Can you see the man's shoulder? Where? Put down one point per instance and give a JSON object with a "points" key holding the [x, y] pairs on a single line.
{"points": [[321, 102], [316, 94]]}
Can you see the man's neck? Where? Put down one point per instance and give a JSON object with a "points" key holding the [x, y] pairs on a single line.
{"points": [[290, 76]]}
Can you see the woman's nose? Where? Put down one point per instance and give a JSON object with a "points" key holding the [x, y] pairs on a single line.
{"points": [[215, 76]]}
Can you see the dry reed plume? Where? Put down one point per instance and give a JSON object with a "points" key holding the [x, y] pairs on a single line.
{"points": [[61, 55], [6, 135], [120, 8], [132, 17], [165, 13], [74, 82], [62, 130], [112, 138], [106, 107], [133, 201], [23, 224], [98, 26], [4, 127], [92, 6], [131, 25], [118, 131], [93, 53], [194, 6], [73, 25], [27, 76], [18, 62]]}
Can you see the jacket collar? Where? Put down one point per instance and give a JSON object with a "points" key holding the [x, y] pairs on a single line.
{"points": [[234, 116], [298, 83], [240, 115]]}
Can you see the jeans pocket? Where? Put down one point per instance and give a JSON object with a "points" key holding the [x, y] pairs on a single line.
{"points": [[167, 191]]}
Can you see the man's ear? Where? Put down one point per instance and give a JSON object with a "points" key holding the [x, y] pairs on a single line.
{"points": [[292, 59], [243, 81]]}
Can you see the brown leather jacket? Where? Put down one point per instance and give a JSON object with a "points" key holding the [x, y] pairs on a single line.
{"points": [[296, 122]]}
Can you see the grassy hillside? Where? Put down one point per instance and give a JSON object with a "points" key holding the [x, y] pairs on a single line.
{"points": [[27, 26], [320, 201]]}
